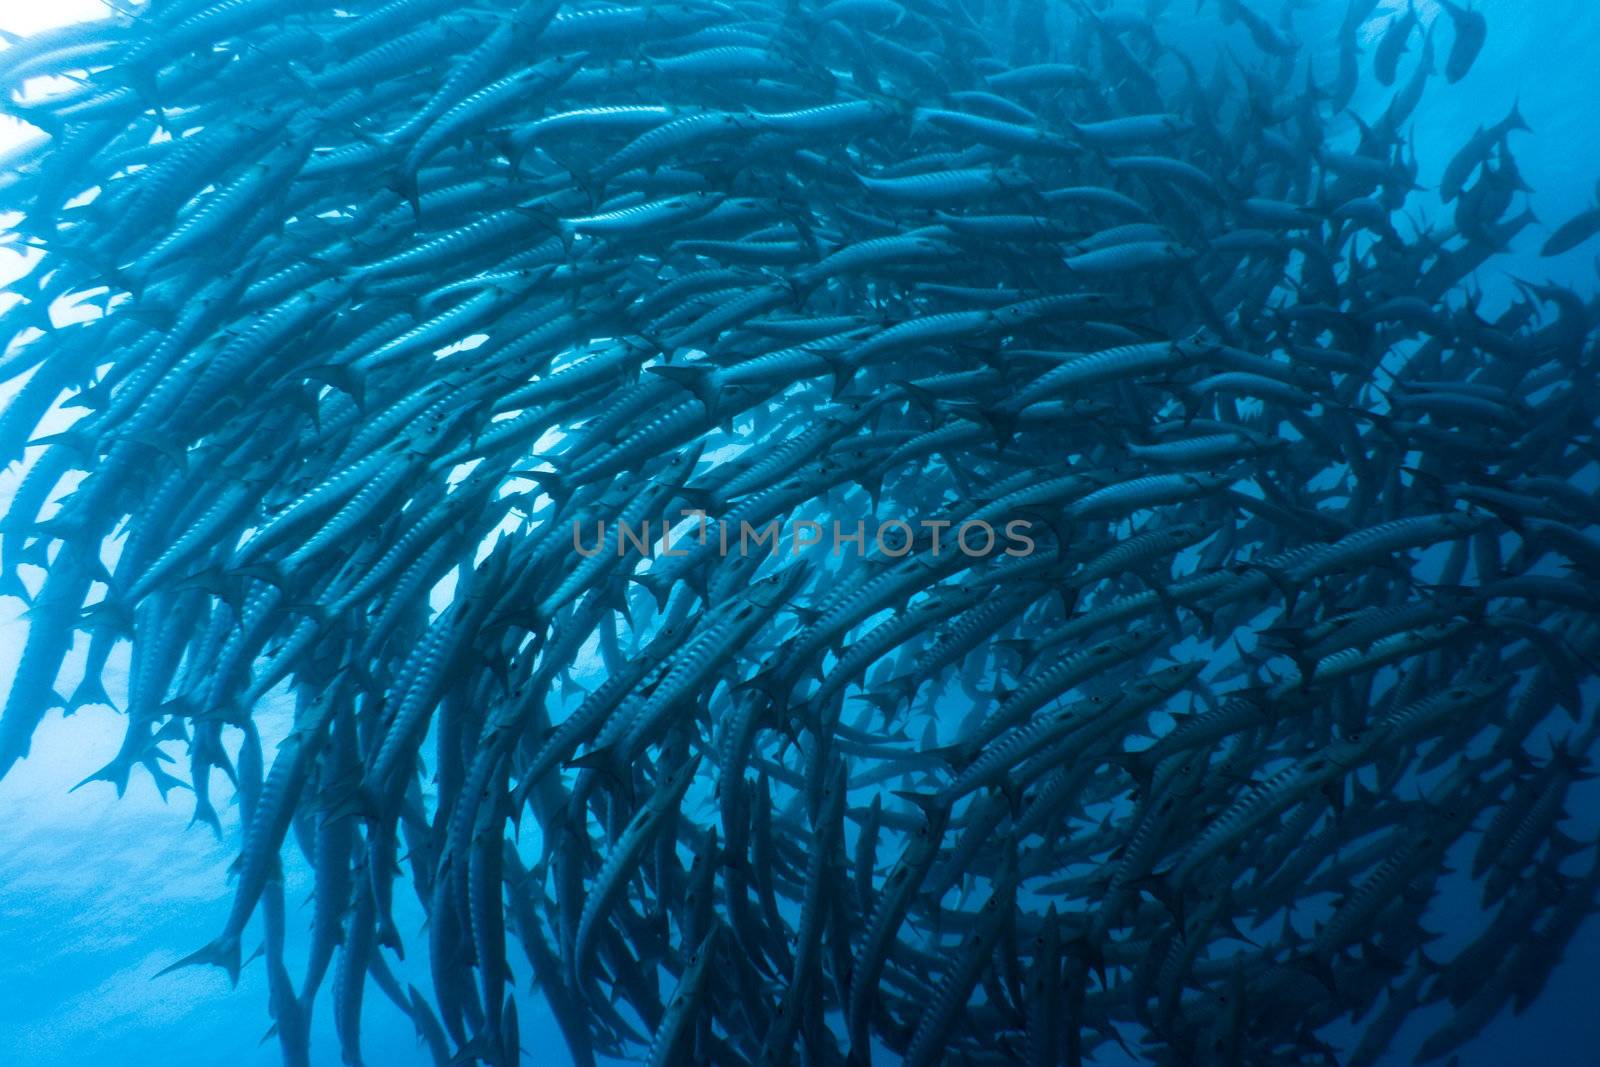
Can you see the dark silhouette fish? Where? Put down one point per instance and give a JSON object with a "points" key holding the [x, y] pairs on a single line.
{"points": [[982, 531], [1471, 31]]}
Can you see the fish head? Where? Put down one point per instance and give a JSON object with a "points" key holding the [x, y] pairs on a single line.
{"points": [[1203, 342], [780, 586], [1011, 179]]}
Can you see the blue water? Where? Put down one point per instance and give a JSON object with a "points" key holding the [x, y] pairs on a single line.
{"points": [[97, 894]]}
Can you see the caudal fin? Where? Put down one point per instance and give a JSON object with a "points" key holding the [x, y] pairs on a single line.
{"points": [[223, 952]]}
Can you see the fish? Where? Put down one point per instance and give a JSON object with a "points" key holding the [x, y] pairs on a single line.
{"points": [[1392, 45], [960, 532], [1471, 31], [1577, 230]]}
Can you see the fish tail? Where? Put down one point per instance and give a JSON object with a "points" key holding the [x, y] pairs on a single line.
{"points": [[223, 952]]}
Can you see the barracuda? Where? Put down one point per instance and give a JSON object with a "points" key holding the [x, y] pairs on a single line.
{"points": [[336, 322]]}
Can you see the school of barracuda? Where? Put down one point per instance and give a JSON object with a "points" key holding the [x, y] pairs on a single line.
{"points": [[390, 299]]}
